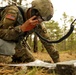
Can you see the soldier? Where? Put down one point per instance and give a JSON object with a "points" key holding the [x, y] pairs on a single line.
{"points": [[16, 23]]}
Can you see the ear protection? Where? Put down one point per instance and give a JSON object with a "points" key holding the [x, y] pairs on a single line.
{"points": [[32, 12]]}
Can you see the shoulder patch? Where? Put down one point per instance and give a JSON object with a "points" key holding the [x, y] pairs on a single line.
{"points": [[10, 16]]}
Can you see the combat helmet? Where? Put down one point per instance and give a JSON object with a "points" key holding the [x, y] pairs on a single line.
{"points": [[44, 7]]}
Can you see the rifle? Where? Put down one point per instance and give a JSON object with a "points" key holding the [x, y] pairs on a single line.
{"points": [[62, 38]]}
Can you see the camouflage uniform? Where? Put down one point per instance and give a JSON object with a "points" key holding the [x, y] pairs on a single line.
{"points": [[10, 31], [45, 9]]}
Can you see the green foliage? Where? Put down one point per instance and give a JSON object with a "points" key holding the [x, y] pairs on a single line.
{"points": [[54, 29]]}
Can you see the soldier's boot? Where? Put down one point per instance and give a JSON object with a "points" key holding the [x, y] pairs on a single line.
{"points": [[23, 55], [5, 59]]}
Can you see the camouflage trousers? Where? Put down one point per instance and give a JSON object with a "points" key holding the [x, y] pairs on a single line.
{"points": [[22, 54]]}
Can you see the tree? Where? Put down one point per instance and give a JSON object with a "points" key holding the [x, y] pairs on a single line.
{"points": [[54, 32], [64, 28], [35, 43], [18, 1], [72, 39], [54, 29]]}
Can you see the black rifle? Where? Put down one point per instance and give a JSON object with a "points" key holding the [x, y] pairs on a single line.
{"points": [[62, 38]]}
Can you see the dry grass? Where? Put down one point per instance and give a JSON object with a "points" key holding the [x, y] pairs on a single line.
{"points": [[64, 56]]}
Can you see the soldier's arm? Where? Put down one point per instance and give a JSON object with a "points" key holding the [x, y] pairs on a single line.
{"points": [[14, 32], [10, 33]]}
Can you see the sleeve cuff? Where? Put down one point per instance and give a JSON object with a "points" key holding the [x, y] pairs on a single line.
{"points": [[18, 29]]}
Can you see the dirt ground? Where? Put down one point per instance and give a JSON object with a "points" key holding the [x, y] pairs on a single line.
{"points": [[64, 56]]}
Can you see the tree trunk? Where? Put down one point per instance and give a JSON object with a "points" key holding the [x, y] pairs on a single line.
{"points": [[35, 44]]}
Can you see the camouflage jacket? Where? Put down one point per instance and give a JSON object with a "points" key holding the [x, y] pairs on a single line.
{"points": [[10, 25]]}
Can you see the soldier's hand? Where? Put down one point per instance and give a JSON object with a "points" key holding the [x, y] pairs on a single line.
{"points": [[29, 24]]}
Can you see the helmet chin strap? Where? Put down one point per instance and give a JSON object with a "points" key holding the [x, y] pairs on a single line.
{"points": [[61, 39]]}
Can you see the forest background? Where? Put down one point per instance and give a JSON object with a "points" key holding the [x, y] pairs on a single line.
{"points": [[57, 27], [54, 28]]}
